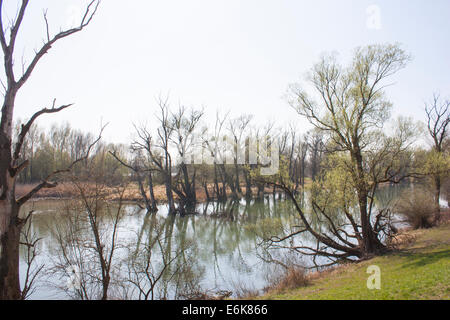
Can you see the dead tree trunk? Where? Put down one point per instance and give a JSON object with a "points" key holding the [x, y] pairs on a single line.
{"points": [[9, 259], [10, 224], [248, 184], [150, 204], [151, 191]]}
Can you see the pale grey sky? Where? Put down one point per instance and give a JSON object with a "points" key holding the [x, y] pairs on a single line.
{"points": [[220, 54]]}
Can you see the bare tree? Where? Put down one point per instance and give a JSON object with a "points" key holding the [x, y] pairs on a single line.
{"points": [[214, 148], [438, 119], [30, 241], [184, 124], [159, 151], [263, 135], [315, 143], [302, 152], [139, 169], [10, 167], [237, 128], [88, 240]]}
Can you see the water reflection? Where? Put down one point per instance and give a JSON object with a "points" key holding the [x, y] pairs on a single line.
{"points": [[218, 247]]}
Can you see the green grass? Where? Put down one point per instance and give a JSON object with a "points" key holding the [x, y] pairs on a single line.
{"points": [[419, 271]]}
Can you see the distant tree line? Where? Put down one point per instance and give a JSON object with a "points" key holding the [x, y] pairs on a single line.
{"points": [[151, 159], [59, 146], [160, 155]]}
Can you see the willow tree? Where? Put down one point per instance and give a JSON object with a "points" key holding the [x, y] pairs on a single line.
{"points": [[184, 123], [350, 107], [10, 163], [438, 121]]}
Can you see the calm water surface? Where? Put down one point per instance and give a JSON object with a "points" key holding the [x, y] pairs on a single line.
{"points": [[224, 237]]}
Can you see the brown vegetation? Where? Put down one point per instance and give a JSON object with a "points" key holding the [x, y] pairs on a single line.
{"points": [[418, 208], [293, 277], [66, 190]]}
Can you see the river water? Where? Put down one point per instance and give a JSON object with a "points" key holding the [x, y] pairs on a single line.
{"points": [[220, 243]]}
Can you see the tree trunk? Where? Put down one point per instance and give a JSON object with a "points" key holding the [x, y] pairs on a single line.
{"points": [[205, 186], [152, 194], [237, 182], [370, 242], [248, 184], [216, 183], [143, 193], [9, 209], [188, 186], [437, 195], [221, 191], [302, 173], [227, 180], [168, 180], [169, 195], [9, 255], [260, 191], [105, 281], [368, 246]]}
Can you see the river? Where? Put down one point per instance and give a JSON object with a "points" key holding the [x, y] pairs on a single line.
{"points": [[220, 243]]}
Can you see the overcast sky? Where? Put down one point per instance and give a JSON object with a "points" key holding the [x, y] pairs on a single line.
{"points": [[220, 54]]}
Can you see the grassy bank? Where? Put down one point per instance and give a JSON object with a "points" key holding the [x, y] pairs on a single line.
{"points": [[419, 270]]}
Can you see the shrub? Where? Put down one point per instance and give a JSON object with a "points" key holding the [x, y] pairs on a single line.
{"points": [[294, 277], [418, 208], [288, 278], [245, 290], [446, 188]]}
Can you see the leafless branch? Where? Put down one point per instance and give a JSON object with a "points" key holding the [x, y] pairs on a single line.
{"points": [[26, 127], [88, 15], [46, 184]]}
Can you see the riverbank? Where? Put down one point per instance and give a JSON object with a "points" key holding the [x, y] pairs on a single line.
{"points": [[132, 193], [420, 269]]}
